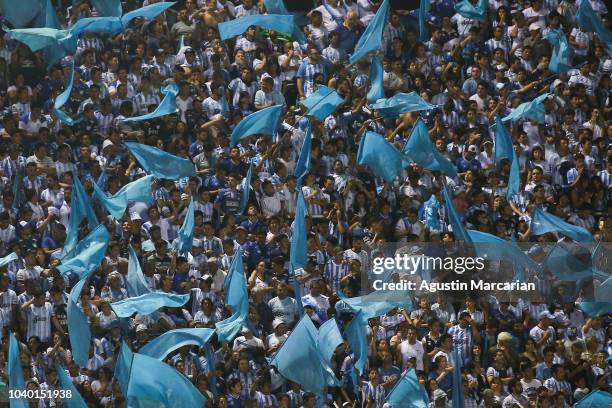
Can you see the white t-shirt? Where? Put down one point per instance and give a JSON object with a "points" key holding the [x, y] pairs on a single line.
{"points": [[409, 351]]}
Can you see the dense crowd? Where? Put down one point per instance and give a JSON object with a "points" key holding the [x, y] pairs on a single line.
{"points": [[538, 351]]}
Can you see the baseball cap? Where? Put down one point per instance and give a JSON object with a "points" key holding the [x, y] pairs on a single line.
{"points": [[545, 315]]}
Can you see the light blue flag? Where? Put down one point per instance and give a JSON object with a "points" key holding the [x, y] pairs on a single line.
{"points": [[567, 267], [15, 373], [135, 282], [322, 103], [298, 255], [61, 100], [148, 303], [278, 7], [421, 150], [504, 149], [399, 103], [468, 10], [137, 190], [593, 309], [166, 107], [303, 164], [376, 91], [172, 340], [357, 339], [532, 110], [148, 382], [236, 296], [458, 400], [261, 122], [424, 7], [87, 255], [543, 222], [161, 164], [371, 39], [597, 398], [78, 326], [75, 400], [589, 21], [431, 210], [381, 157], [408, 392], [374, 304], [560, 58], [245, 190], [185, 234], [107, 8], [80, 208], [47, 16], [274, 22], [459, 229], [20, 15], [493, 248], [328, 339], [7, 259]]}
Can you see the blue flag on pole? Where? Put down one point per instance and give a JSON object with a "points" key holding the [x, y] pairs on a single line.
{"points": [[261, 122], [597, 398], [328, 338], [374, 304], [458, 400], [274, 22], [560, 58], [590, 21], [161, 164], [298, 255], [459, 229], [137, 190], [61, 100], [278, 7], [135, 282], [357, 340], [594, 309], [15, 373], [185, 234], [381, 157], [148, 382], [504, 149], [401, 103], [66, 384], [166, 107], [148, 303], [107, 8], [172, 340], [468, 10], [80, 208], [408, 392], [303, 164], [532, 110], [376, 91], [87, 255], [371, 39], [424, 7], [566, 266], [493, 248], [322, 103], [421, 150], [236, 296], [78, 326], [245, 190], [543, 222]]}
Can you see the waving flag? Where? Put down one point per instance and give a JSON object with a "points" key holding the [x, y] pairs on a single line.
{"points": [[376, 91], [303, 164], [560, 59], [504, 149], [278, 7], [424, 7], [245, 190], [322, 103], [543, 222], [148, 303], [298, 255], [593, 309], [381, 157], [371, 39], [261, 122], [148, 382], [567, 267], [160, 347], [87, 255], [467, 10], [20, 16], [458, 400], [15, 373], [185, 234], [75, 400], [166, 107], [459, 229], [597, 398], [421, 150], [135, 281], [374, 304], [401, 103], [161, 164], [589, 21], [532, 110], [8, 259], [236, 296], [138, 190], [61, 100], [357, 340], [78, 326], [493, 248], [273, 22], [80, 208], [431, 210], [408, 392], [328, 339]]}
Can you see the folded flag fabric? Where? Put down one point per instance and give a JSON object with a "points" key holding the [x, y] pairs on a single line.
{"points": [[560, 58], [493, 248], [172, 340], [166, 107], [371, 39], [274, 22], [402, 103], [568, 267], [303, 164], [161, 164], [61, 100], [322, 103], [468, 10], [75, 400], [504, 149], [261, 122], [148, 382], [408, 392], [8, 259], [594, 309], [543, 222], [376, 91], [185, 234], [15, 373], [136, 191], [459, 229], [87, 255], [236, 296], [374, 304], [532, 110], [381, 157], [328, 339], [424, 7], [135, 281], [590, 21], [458, 399], [21, 16], [78, 326], [298, 255], [422, 151], [80, 208], [148, 303], [278, 7], [357, 339], [431, 210]]}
